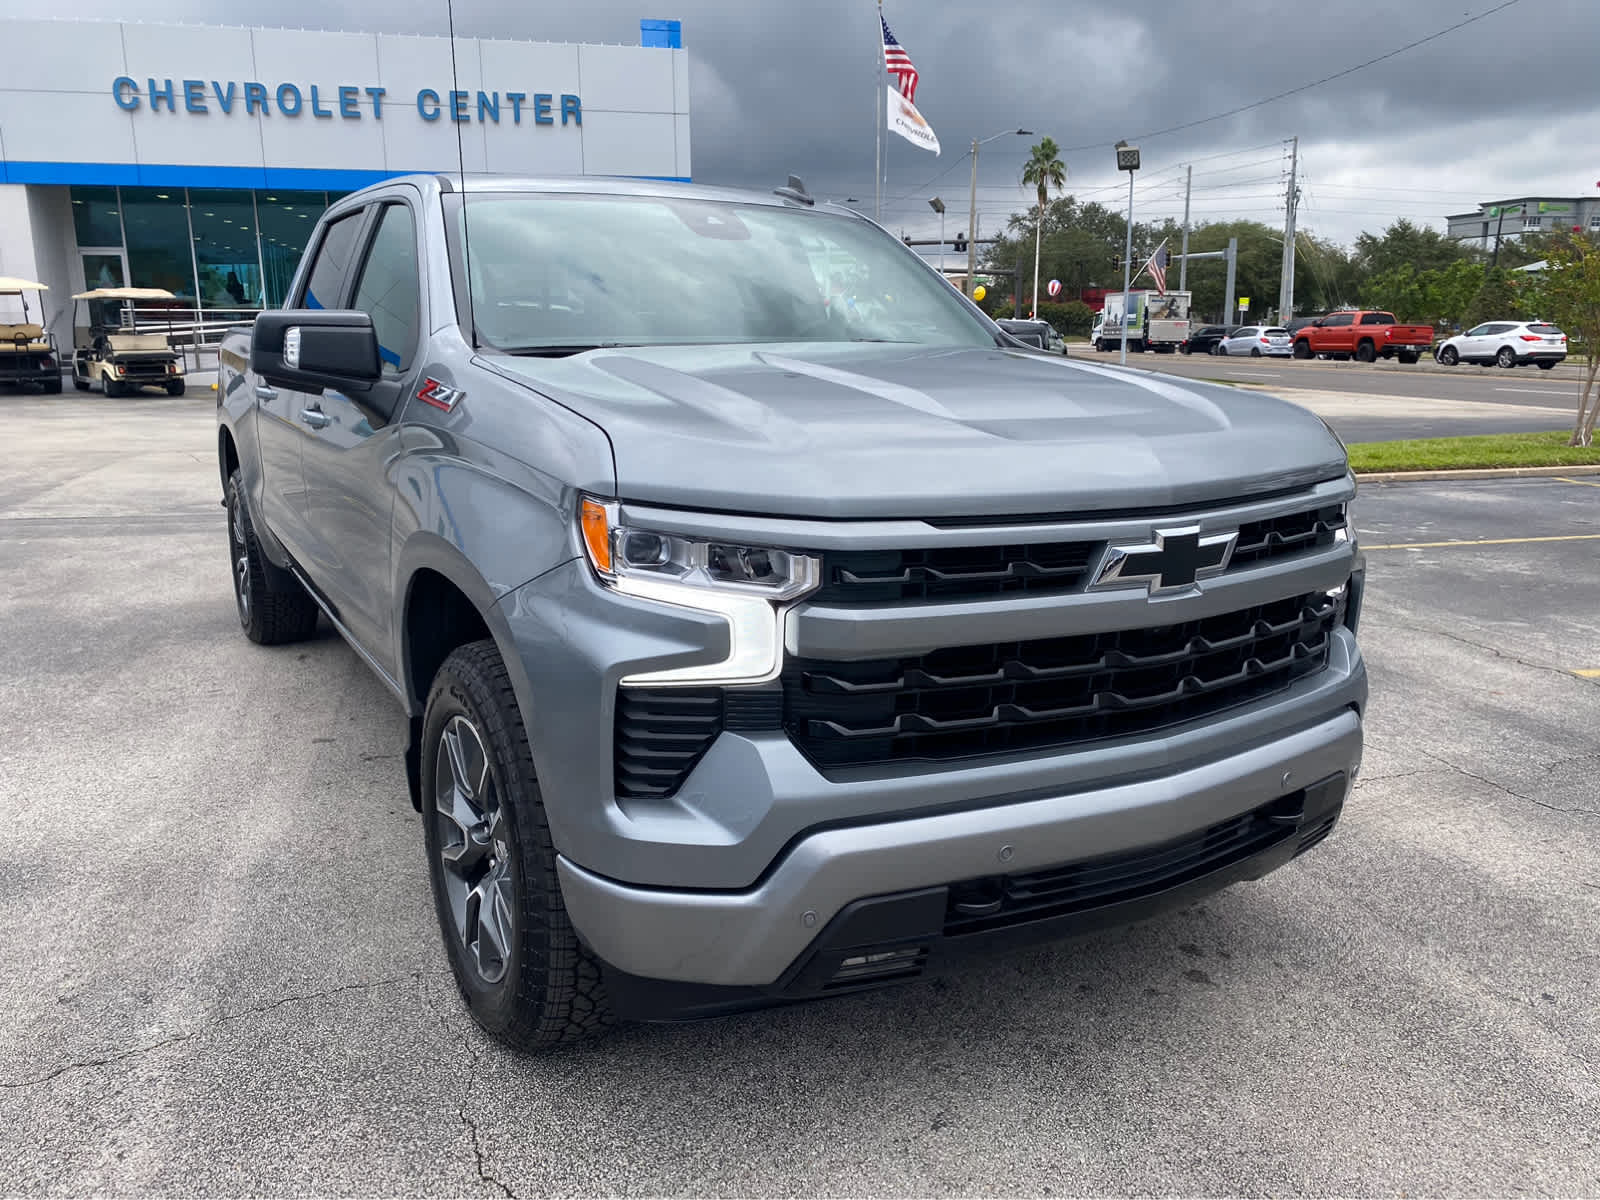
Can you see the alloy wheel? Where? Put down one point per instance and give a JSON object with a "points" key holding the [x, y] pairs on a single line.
{"points": [[474, 849], [241, 562]]}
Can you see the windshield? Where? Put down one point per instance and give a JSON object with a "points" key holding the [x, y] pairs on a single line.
{"points": [[558, 273]]}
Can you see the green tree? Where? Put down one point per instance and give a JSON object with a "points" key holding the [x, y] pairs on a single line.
{"points": [[1046, 172], [1405, 244], [1496, 300], [1570, 296]]}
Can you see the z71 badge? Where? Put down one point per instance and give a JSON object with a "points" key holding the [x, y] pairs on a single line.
{"points": [[439, 395]]}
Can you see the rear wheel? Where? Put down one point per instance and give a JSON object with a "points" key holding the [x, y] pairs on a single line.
{"points": [[1449, 356], [1547, 364], [1507, 357], [1255, 351], [515, 956], [270, 612], [1366, 352], [52, 387]]}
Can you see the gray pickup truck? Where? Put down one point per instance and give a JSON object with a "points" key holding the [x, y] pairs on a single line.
{"points": [[769, 623]]}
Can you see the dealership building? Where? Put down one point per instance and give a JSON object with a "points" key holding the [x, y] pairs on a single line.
{"points": [[198, 158]]}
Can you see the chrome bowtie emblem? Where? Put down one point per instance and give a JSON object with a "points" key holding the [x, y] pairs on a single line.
{"points": [[1172, 560]]}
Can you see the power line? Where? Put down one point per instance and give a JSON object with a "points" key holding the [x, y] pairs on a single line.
{"points": [[1306, 87]]}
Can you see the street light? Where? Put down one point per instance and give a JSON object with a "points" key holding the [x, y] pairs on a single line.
{"points": [[972, 212], [1127, 160], [938, 206]]}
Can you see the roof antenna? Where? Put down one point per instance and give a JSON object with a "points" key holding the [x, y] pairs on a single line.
{"points": [[796, 191], [461, 169]]}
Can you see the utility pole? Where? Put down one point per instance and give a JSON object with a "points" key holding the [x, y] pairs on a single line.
{"points": [[1233, 267], [1127, 160], [1183, 262], [1286, 279]]}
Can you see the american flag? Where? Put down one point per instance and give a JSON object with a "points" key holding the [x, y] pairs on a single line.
{"points": [[899, 63], [1158, 270]]}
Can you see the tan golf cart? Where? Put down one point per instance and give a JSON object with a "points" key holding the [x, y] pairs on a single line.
{"points": [[27, 351], [110, 349]]}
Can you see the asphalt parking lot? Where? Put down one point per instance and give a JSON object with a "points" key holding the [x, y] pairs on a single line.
{"points": [[222, 973]]}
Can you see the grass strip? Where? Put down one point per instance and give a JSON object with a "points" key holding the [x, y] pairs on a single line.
{"points": [[1479, 451]]}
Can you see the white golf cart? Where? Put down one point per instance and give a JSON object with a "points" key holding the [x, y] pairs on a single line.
{"points": [[110, 349], [27, 350]]}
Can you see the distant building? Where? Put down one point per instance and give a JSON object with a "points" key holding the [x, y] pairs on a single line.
{"points": [[1529, 214]]}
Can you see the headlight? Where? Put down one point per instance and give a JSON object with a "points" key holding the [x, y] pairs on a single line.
{"points": [[751, 587]]}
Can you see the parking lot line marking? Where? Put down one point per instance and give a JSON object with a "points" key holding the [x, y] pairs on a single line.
{"points": [[1579, 482], [1588, 673], [1566, 537], [1535, 391]]}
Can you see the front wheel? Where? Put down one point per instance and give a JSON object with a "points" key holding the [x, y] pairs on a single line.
{"points": [[1302, 350], [1449, 356], [114, 388], [271, 611], [1507, 357], [515, 956]]}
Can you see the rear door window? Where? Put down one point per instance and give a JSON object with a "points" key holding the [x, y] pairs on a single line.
{"points": [[331, 267]]}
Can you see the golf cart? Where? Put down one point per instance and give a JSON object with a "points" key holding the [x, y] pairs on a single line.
{"points": [[27, 351], [111, 350]]}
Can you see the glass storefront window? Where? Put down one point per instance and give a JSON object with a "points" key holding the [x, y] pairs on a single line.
{"points": [[95, 217], [224, 224], [287, 219], [158, 240]]}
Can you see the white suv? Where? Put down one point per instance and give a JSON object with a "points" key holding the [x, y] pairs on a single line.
{"points": [[1509, 343]]}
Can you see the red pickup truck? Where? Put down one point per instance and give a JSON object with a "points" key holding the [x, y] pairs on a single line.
{"points": [[1366, 335]]}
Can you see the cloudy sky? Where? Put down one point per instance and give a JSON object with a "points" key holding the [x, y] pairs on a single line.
{"points": [[1504, 106]]}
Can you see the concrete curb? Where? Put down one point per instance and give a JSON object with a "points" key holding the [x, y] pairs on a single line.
{"points": [[1481, 473]]}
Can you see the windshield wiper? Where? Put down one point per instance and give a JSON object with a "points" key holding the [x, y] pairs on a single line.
{"points": [[561, 351]]}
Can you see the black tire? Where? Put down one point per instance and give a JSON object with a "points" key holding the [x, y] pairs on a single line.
{"points": [[114, 388], [548, 989], [1407, 356], [1366, 352], [81, 384], [1449, 356], [1507, 357], [1255, 351], [1547, 365], [1184, 348], [1216, 349], [1302, 350], [52, 387], [175, 387], [270, 613]]}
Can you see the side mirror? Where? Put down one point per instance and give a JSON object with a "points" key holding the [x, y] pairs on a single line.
{"points": [[315, 348]]}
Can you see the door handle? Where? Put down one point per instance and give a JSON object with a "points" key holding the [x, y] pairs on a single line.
{"points": [[266, 394], [315, 418]]}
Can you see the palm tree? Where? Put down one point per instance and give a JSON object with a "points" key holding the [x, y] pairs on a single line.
{"points": [[1045, 170]]}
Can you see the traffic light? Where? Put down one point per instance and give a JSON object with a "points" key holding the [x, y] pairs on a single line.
{"points": [[961, 243], [1116, 261]]}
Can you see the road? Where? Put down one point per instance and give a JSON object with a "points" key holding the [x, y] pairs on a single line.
{"points": [[1385, 401], [221, 972]]}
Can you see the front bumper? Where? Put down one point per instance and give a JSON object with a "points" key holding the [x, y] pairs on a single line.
{"points": [[757, 940]]}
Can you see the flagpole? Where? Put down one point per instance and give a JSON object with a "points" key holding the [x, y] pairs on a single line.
{"points": [[882, 117]]}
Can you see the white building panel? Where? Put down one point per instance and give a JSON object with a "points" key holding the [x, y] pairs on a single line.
{"points": [[65, 127], [329, 143], [61, 56], [617, 143], [625, 79], [406, 65], [531, 67], [305, 57], [179, 52]]}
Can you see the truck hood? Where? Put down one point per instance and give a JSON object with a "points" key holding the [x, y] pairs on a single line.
{"points": [[829, 430]]}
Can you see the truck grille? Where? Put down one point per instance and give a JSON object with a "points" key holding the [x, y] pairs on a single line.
{"points": [[974, 572], [1057, 692]]}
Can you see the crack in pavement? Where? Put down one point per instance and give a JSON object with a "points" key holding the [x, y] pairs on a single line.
{"points": [[222, 1019], [1465, 641], [1591, 812], [465, 1034]]}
